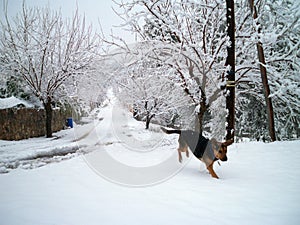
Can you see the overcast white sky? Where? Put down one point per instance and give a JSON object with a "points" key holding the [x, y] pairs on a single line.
{"points": [[92, 9]]}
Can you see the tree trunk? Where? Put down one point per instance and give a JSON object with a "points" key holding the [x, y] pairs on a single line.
{"points": [[148, 119], [199, 124], [230, 81], [264, 78], [49, 112], [200, 115]]}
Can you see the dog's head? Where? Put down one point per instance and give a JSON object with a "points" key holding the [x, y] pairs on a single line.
{"points": [[220, 148]]}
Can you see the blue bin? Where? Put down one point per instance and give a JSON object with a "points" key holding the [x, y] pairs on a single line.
{"points": [[70, 122]]}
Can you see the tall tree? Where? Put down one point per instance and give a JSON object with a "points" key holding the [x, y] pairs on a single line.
{"points": [[45, 50], [230, 78], [264, 77]]}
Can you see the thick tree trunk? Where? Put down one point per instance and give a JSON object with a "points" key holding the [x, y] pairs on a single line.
{"points": [[264, 78], [199, 125], [200, 115], [230, 78], [49, 112], [148, 119]]}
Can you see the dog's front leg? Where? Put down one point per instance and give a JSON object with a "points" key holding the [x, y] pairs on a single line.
{"points": [[211, 171]]}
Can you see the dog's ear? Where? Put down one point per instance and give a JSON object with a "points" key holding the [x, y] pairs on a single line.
{"points": [[228, 142]]}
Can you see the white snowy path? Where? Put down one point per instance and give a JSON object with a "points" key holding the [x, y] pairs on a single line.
{"points": [[259, 185]]}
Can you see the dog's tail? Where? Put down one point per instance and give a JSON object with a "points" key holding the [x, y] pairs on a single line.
{"points": [[171, 131]]}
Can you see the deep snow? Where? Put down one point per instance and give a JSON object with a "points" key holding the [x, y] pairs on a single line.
{"points": [[258, 185]]}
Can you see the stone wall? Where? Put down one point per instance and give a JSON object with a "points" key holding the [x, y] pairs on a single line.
{"points": [[17, 124]]}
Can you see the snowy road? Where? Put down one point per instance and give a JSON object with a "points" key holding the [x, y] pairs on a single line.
{"points": [[250, 191], [259, 184]]}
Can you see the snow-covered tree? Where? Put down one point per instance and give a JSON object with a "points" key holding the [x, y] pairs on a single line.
{"points": [[278, 22], [47, 52], [188, 37], [148, 91], [284, 60]]}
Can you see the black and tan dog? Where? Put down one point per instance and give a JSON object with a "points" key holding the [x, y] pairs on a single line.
{"points": [[204, 149]]}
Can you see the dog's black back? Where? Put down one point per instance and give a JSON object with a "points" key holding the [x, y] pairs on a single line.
{"points": [[196, 142]]}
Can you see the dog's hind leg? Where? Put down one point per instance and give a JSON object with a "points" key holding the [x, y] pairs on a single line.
{"points": [[187, 151], [182, 148], [179, 155]]}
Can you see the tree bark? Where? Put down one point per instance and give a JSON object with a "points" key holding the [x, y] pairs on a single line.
{"points": [[49, 113], [264, 78], [148, 119], [230, 78], [200, 115]]}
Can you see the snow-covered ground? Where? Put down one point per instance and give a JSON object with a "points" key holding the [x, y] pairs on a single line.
{"points": [[112, 171]]}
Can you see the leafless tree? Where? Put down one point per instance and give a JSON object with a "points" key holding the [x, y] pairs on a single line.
{"points": [[46, 51]]}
